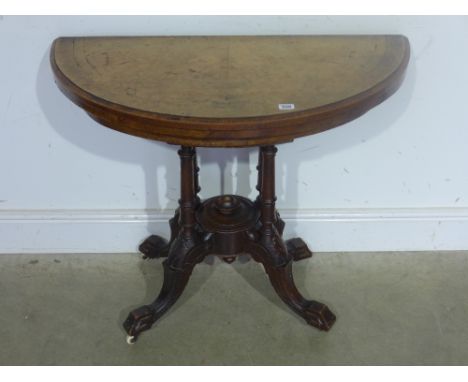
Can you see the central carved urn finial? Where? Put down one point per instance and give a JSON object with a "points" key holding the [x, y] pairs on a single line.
{"points": [[226, 204]]}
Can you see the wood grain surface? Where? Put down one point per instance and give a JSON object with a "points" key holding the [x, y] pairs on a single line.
{"points": [[228, 90]]}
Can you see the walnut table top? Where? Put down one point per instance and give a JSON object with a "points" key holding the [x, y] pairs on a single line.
{"points": [[228, 91]]}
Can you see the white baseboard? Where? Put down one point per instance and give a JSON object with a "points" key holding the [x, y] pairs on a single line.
{"points": [[327, 230]]}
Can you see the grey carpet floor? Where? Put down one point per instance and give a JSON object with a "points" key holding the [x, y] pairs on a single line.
{"points": [[393, 309]]}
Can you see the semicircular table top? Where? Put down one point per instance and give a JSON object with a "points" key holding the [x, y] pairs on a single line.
{"points": [[228, 91]]}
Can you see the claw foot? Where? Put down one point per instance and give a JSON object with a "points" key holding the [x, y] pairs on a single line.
{"points": [[318, 315], [298, 249], [154, 247], [139, 320]]}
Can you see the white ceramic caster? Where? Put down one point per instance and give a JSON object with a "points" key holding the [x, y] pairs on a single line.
{"points": [[131, 340]]}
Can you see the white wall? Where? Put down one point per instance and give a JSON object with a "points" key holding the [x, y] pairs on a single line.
{"points": [[394, 179]]}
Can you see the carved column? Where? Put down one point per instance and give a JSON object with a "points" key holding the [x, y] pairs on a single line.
{"points": [[266, 187], [188, 190]]}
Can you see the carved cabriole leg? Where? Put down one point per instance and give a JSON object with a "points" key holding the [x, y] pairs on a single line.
{"points": [[271, 251], [176, 275], [186, 250]]}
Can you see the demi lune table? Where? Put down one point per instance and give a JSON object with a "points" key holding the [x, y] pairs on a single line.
{"points": [[227, 91]]}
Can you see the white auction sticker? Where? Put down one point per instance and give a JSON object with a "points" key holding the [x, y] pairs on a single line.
{"points": [[286, 106]]}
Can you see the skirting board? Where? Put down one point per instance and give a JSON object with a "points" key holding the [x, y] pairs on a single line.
{"points": [[327, 230]]}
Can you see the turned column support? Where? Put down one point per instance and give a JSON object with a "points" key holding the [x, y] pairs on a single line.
{"points": [[188, 189], [266, 188], [156, 246]]}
